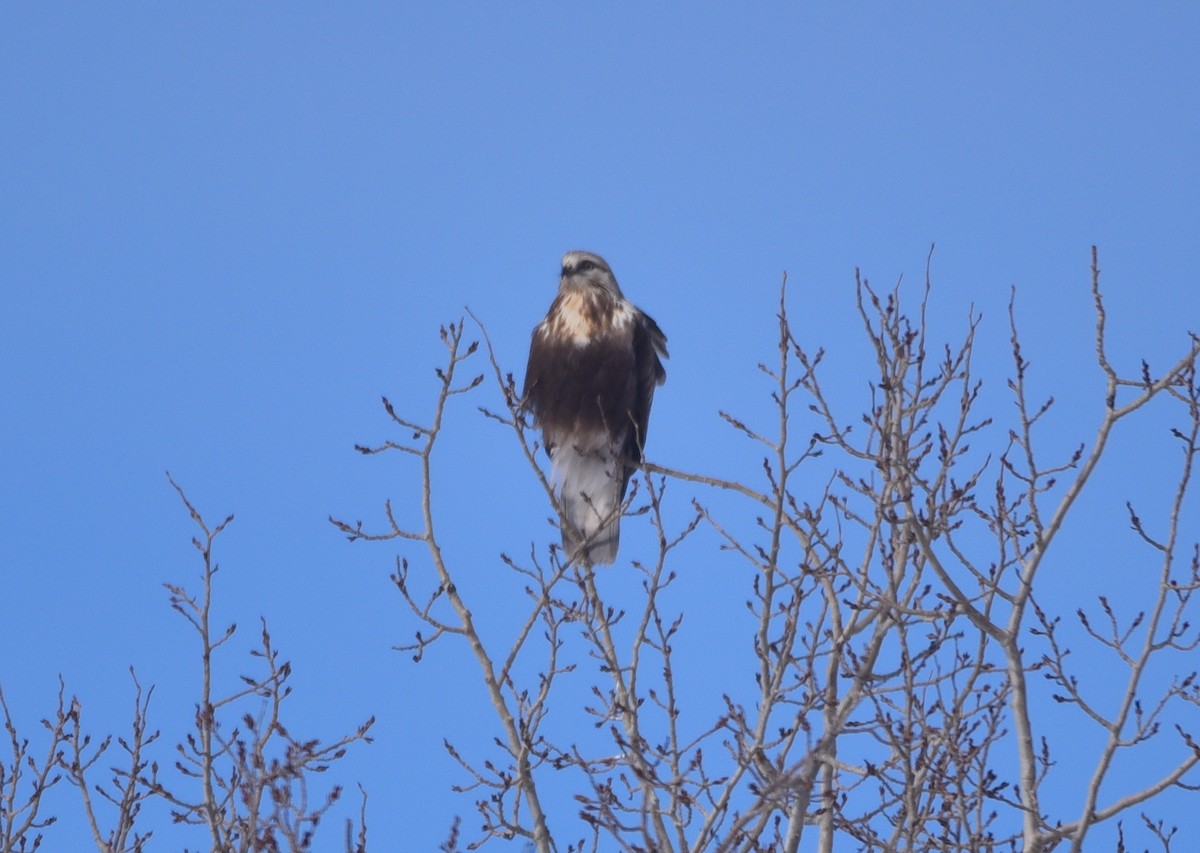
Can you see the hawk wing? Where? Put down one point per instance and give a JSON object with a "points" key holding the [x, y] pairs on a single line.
{"points": [[649, 348]]}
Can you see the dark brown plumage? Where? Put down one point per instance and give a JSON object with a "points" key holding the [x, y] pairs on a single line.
{"points": [[594, 363]]}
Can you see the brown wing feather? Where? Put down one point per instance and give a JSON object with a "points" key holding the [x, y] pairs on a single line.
{"points": [[580, 389], [649, 348]]}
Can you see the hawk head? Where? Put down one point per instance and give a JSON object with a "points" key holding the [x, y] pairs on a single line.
{"points": [[586, 272]]}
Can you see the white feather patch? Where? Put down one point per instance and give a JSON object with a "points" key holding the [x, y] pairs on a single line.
{"points": [[571, 322], [589, 476]]}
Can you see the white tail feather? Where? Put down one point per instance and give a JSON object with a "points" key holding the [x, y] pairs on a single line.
{"points": [[589, 479]]}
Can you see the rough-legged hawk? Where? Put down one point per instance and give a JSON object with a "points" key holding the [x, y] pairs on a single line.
{"points": [[593, 366]]}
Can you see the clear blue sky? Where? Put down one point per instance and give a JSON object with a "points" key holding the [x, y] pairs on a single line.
{"points": [[226, 230]]}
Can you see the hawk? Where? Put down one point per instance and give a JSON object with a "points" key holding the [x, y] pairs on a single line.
{"points": [[594, 363]]}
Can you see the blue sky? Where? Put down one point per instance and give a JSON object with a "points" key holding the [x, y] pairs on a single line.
{"points": [[226, 230]]}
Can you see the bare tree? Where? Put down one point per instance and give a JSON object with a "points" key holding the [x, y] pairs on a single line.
{"points": [[129, 787], [26, 779], [250, 781], [891, 622], [241, 775]]}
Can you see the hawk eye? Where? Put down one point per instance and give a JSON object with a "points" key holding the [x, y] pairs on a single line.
{"points": [[584, 266]]}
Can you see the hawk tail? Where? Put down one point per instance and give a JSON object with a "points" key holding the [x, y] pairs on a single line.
{"points": [[590, 485]]}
